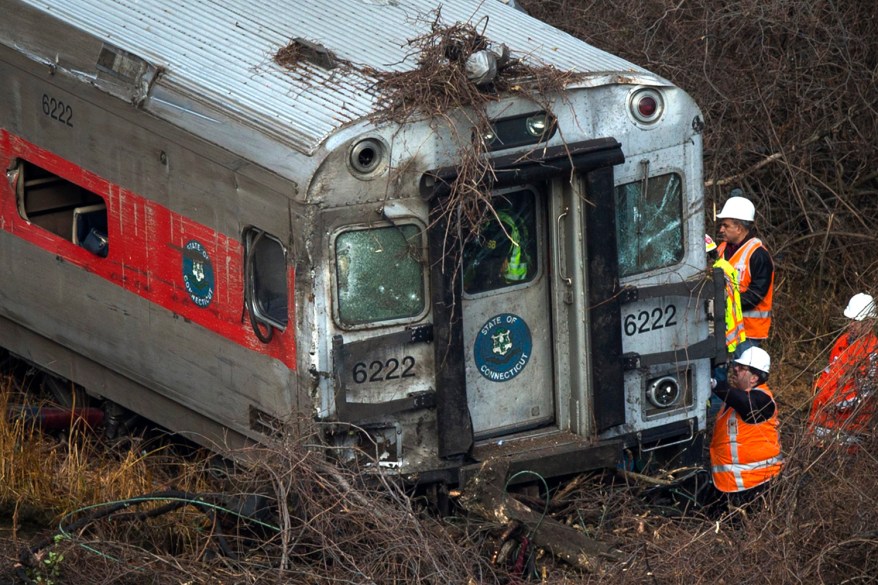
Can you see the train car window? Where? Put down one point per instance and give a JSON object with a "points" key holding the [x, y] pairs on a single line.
{"points": [[63, 208], [267, 294], [380, 274], [504, 252], [649, 223]]}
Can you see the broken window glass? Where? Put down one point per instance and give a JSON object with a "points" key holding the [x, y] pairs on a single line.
{"points": [[649, 223], [379, 274]]}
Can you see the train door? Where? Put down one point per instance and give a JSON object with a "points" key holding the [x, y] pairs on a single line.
{"points": [[506, 313]]}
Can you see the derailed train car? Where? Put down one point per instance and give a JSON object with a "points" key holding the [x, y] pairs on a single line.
{"points": [[223, 244]]}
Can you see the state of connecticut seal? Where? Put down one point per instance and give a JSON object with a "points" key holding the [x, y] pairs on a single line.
{"points": [[503, 347], [198, 274]]}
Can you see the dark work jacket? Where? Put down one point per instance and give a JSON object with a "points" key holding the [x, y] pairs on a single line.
{"points": [[761, 270], [753, 407]]}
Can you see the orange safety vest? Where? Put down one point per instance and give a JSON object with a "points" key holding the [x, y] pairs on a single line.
{"points": [[744, 455], [844, 404], [735, 333], [757, 321]]}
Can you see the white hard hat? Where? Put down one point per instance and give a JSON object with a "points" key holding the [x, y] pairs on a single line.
{"points": [[738, 208], [861, 306], [756, 358]]}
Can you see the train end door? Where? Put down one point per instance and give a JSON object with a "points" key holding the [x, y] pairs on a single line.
{"points": [[507, 329], [505, 365]]}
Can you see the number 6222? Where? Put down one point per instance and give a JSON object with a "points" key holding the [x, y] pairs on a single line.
{"points": [[383, 370], [650, 320]]}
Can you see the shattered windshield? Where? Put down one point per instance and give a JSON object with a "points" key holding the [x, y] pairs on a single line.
{"points": [[379, 274], [649, 223]]}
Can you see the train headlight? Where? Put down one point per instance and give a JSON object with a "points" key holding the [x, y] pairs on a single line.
{"points": [[646, 105], [663, 392], [536, 125], [521, 130]]}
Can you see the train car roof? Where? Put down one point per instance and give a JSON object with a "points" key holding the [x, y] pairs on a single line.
{"points": [[207, 64]]}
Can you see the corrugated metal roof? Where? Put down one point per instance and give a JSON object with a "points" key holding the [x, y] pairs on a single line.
{"points": [[224, 49]]}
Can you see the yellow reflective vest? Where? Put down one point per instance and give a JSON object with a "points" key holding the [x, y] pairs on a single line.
{"points": [[515, 268], [734, 314]]}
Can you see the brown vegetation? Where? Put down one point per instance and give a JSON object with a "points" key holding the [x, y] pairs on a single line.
{"points": [[144, 512], [439, 87], [788, 94], [132, 513]]}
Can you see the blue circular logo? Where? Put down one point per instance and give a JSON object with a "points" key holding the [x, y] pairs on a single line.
{"points": [[197, 274], [503, 347]]}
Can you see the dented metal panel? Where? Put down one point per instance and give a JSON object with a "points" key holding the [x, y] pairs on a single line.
{"points": [[184, 61]]}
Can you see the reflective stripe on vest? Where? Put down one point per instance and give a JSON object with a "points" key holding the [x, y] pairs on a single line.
{"points": [[735, 332], [840, 437], [757, 321], [739, 467], [734, 337], [744, 455], [758, 314]]}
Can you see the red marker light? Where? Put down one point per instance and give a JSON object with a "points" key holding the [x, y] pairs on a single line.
{"points": [[647, 106]]}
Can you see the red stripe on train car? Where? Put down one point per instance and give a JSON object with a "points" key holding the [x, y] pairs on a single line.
{"points": [[147, 244]]}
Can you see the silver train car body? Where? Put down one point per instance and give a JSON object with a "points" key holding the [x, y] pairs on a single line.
{"points": [[222, 244]]}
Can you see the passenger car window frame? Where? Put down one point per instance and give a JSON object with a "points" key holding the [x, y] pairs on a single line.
{"points": [[71, 212], [258, 316]]}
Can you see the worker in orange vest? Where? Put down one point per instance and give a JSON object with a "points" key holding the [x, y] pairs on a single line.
{"points": [[844, 405], [751, 259], [745, 449]]}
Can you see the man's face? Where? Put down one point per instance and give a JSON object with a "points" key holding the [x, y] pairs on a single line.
{"points": [[861, 328], [732, 231], [741, 377]]}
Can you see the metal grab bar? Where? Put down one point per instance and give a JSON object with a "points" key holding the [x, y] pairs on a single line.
{"points": [[561, 273], [661, 445]]}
